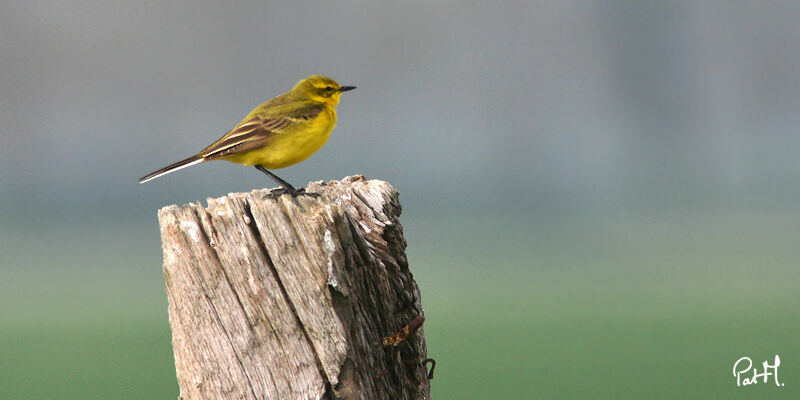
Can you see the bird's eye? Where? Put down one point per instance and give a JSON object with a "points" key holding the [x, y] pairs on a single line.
{"points": [[329, 88]]}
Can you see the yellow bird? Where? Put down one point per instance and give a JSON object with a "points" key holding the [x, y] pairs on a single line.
{"points": [[278, 133]]}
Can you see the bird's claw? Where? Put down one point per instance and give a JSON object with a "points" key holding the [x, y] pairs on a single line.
{"points": [[293, 192]]}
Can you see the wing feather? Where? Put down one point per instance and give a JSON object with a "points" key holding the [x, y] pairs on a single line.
{"points": [[257, 132]]}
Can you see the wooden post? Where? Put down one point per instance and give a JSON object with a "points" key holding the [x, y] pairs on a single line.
{"points": [[275, 299]]}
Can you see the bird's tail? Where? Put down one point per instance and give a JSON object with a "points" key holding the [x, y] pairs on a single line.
{"points": [[174, 167]]}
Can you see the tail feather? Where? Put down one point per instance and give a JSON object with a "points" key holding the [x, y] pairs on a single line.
{"points": [[174, 167]]}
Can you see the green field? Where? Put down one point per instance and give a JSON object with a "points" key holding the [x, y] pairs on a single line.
{"points": [[610, 307]]}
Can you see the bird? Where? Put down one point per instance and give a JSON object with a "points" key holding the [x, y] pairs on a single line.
{"points": [[278, 133]]}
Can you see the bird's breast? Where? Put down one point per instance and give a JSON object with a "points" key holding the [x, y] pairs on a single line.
{"points": [[295, 144]]}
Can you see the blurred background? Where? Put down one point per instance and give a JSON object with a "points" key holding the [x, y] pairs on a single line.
{"points": [[600, 197]]}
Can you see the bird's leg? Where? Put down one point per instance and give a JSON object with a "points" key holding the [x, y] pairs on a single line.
{"points": [[289, 188], [286, 186]]}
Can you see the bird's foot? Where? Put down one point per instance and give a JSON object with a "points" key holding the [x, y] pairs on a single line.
{"points": [[293, 192]]}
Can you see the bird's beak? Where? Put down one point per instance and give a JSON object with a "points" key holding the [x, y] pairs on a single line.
{"points": [[346, 88]]}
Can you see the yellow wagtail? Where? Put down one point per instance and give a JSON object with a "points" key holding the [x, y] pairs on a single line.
{"points": [[278, 133]]}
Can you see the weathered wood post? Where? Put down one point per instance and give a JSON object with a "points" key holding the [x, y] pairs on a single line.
{"points": [[271, 299]]}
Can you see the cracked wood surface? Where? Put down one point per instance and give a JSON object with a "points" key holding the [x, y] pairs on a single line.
{"points": [[271, 299]]}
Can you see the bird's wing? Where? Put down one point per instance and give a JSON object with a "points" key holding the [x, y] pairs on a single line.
{"points": [[257, 131]]}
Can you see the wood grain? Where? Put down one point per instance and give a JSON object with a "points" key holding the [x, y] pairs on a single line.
{"points": [[275, 299]]}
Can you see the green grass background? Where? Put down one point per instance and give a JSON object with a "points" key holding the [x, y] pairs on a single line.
{"points": [[631, 306]]}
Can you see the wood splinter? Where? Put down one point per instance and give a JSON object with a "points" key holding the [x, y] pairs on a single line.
{"points": [[403, 335]]}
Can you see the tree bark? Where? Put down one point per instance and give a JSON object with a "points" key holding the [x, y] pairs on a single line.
{"points": [[275, 298]]}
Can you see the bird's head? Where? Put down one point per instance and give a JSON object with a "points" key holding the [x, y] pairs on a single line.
{"points": [[321, 88]]}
